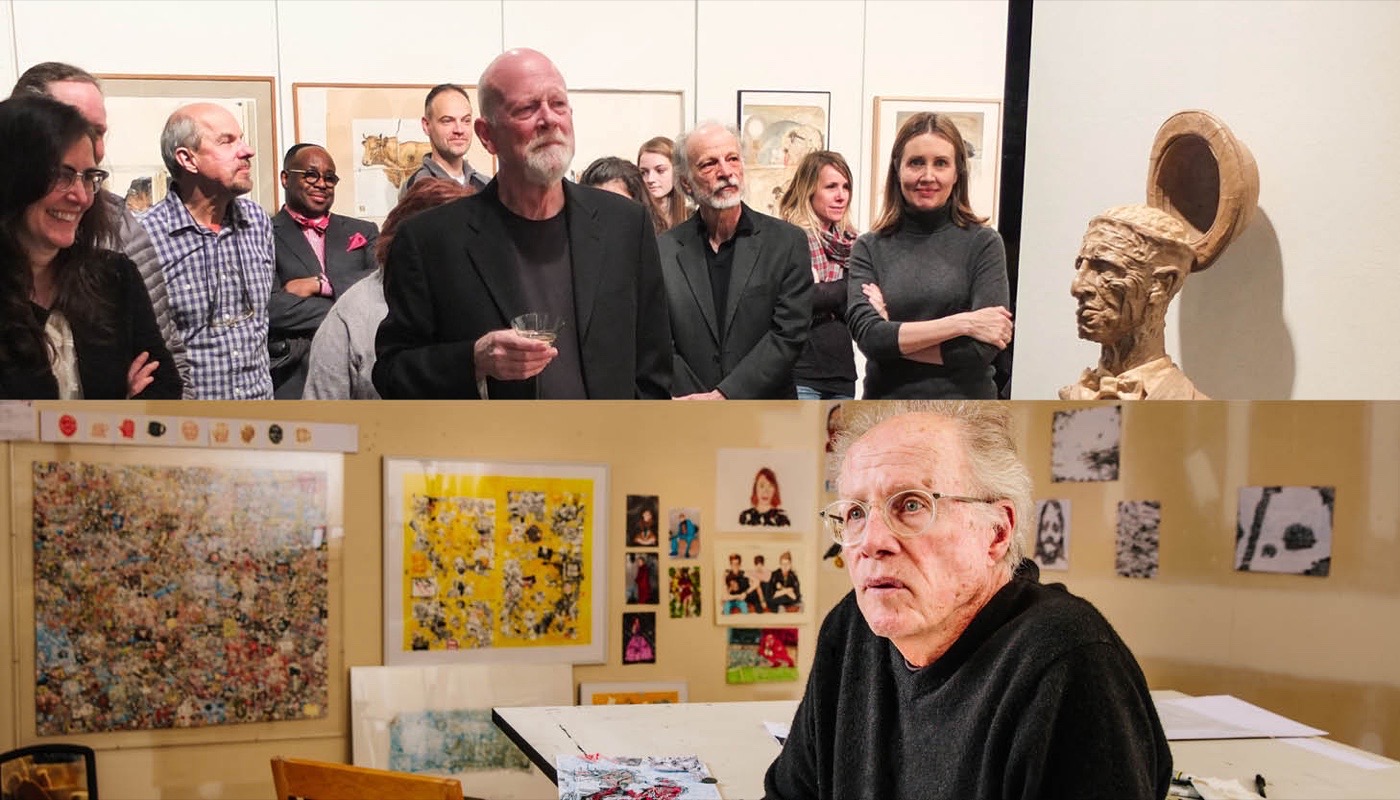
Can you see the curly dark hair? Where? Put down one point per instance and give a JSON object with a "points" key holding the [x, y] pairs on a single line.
{"points": [[35, 133]]}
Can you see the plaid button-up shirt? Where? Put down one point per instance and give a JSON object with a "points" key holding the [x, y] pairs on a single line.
{"points": [[219, 287]]}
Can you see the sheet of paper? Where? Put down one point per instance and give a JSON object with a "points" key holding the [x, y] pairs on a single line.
{"points": [[18, 421], [1337, 752], [1225, 717], [778, 730], [678, 777]]}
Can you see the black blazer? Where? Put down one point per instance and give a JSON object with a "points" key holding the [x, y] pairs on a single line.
{"points": [[768, 315], [449, 281], [105, 355], [292, 320]]}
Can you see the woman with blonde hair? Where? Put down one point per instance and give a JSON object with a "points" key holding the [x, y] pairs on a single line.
{"points": [[819, 201], [928, 292], [667, 200]]}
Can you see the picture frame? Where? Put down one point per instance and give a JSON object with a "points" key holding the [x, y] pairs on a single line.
{"points": [[980, 123], [632, 693], [776, 129], [138, 107], [374, 133], [494, 562]]}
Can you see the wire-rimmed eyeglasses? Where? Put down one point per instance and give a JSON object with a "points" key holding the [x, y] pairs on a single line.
{"points": [[65, 176], [315, 176], [907, 513]]}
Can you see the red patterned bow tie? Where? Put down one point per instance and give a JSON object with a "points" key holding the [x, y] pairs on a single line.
{"points": [[319, 225]]}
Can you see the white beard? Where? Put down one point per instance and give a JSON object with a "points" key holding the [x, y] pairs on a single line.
{"points": [[548, 164]]}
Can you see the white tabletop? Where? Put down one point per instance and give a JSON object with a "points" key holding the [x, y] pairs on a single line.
{"points": [[731, 740]]}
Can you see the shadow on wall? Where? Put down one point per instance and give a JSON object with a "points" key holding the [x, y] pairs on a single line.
{"points": [[1234, 343]]}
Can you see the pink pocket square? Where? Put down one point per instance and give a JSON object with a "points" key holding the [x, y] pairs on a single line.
{"points": [[357, 241]]}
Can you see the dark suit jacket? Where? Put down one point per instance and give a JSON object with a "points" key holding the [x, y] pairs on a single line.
{"points": [[449, 280], [765, 324], [293, 320]]}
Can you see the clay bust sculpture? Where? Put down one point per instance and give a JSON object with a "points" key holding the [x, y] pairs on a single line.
{"points": [[1132, 262]]}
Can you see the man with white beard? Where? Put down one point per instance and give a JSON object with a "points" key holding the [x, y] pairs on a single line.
{"points": [[457, 275], [738, 283]]}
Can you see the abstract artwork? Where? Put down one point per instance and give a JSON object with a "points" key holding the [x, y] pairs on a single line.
{"points": [[595, 777], [979, 122], [138, 107], [493, 562], [1135, 553], [1285, 529], [437, 720], [685, 592], [1052, 534], [776, 130], [202, 601], [1084, 444], [761, 655]]}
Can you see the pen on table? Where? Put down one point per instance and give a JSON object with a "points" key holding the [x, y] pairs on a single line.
{"points": [[1259, 785]]}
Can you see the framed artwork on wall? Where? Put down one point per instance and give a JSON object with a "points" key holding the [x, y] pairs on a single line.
{"points": [[761, 584], [374, 132], [493, 561], [979, 122], [776, 129], [139, 105]]}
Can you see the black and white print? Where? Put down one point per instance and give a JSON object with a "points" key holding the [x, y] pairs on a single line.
{"points": [[1285, 529]]}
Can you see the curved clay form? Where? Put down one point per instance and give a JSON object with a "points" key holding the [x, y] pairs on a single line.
{"points": [[1205, 177]]}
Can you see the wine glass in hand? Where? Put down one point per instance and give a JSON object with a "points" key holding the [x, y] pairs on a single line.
{"points": [[541, 327]]}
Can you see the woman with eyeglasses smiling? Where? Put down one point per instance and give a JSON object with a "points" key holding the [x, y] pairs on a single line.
{"points": [[75, 320]]}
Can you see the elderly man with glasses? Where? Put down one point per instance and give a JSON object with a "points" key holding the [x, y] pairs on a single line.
{"points": [[319, 256], [950, 671]]}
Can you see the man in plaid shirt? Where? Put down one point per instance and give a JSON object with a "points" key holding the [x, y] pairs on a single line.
{"points": [[215, 249]]}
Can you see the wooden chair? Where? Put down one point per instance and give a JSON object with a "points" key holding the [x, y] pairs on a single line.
{"points": [[322, 780]]}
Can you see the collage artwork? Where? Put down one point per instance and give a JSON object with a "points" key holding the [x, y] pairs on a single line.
{"points": [[495, 561], [204, 600]]}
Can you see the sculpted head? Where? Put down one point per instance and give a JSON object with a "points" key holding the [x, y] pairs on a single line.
{"points": [[1132, 262]]}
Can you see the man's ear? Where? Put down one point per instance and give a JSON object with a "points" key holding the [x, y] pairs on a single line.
{"points": [[185, 158], [284, 180], [1003, 529], [425, 125], [1166, 282], [483, 134]]}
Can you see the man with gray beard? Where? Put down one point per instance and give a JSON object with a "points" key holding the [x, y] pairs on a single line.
{"points": [[738, 283], [457, 275]]}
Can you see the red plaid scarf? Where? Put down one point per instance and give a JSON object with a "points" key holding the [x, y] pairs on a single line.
{"points": [[830, 250]]}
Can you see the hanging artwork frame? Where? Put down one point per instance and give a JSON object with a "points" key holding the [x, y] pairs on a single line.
{"points": [[776, 129], [978, 120], [494, 561]]}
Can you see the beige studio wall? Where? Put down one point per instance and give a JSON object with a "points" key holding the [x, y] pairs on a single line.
{"points": [[1297, 306]]}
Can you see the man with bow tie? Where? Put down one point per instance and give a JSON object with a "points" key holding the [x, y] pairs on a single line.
{"points": [[1132, 262], [319, 256]]}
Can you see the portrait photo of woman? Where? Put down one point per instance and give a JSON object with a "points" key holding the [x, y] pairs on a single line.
{"points": [[642, 511], [765, 502]]}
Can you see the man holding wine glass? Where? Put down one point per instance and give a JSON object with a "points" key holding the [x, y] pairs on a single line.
{"points": [[460, 275]]}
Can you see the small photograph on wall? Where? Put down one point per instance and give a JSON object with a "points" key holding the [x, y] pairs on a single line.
{"points": [[1136, 544], [758, 580], [1052, 534], [685, 592], [639, 637], [684, 536], [761, 655], [1084, 444], [642, 515], [765, 489], [1285, 529], [642, 588]]}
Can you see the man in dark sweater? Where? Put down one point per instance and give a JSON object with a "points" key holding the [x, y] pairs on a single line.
{"points": [[950, 671]]}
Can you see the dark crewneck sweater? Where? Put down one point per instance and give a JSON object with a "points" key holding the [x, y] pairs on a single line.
{"points": [[927, 269], [1039, 699]]}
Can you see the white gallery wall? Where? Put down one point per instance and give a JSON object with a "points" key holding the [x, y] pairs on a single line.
{"points": [[1303, 304]]}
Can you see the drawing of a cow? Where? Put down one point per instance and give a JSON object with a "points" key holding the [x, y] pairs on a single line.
{"points": [[399, 159]]}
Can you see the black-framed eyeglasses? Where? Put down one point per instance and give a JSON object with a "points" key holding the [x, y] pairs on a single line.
{"points": [[907, 513], [315, 176], [65, 176]]}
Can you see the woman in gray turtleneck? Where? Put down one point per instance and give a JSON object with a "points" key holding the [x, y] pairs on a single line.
{"points": [[928, 288]]}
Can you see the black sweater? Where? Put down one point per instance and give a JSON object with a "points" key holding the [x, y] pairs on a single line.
{"points": [[1038, 699]]}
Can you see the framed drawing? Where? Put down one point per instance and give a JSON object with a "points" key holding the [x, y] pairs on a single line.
{"points": [[139, 105], [202, 566], [776, 129], [979, 121], [765, 491], [759, 584], [374, 132], [494, 562], [633, 693], [615, 122], [437, 720]]}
